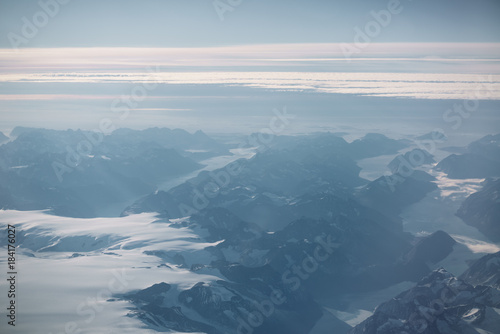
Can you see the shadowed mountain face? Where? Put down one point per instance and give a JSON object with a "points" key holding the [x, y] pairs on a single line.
{"points": [[482, 210], [371, 145], [481, 160], [375, 144], [439, 304], [415, 157], [485, 271], [81, 174], [389, 194], [3, 138]]}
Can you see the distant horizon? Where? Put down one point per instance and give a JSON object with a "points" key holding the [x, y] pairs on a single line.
{"points": [[278, 56]]}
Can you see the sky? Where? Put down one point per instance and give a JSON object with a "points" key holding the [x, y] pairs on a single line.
{"points": [[180, 23], [63, 63]]}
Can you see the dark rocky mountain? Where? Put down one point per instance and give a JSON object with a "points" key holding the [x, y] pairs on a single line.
{"points": [[371, 145], [488, 146], [375, 144], [439, 304], [482, 210], [485, 271], [482, 160], [389, 194], [430, 249], [410, 160], [469, 166]]}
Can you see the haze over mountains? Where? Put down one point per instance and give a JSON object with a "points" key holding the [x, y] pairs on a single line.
{"points": [[250, 167], [291, 232]]}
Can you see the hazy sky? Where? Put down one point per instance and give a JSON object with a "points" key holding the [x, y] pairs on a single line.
{"points": [[169, 23], [79, 56]]}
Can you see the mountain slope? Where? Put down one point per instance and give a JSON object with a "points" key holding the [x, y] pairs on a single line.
{"points": [[481, 160], [485, 271], [439, 304], [482, 210]]}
